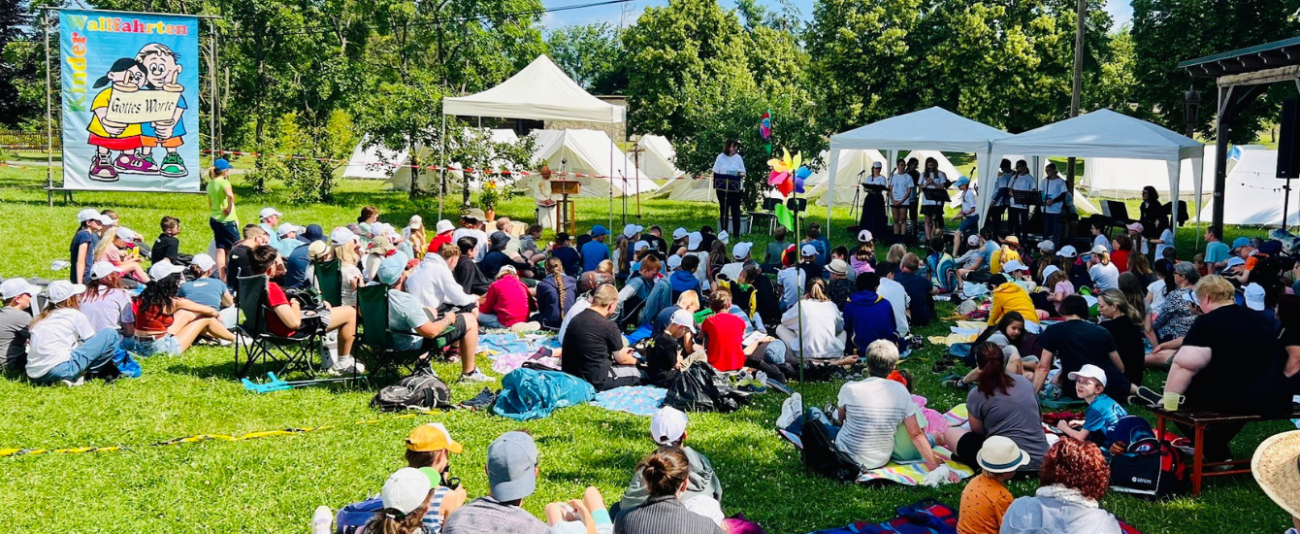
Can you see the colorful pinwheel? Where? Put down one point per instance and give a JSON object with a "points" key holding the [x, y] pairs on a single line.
{"points": [[765, 130], [788, 174]]}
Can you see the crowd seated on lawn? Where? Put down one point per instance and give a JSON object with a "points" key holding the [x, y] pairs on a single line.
{"points": [[705, 297]]}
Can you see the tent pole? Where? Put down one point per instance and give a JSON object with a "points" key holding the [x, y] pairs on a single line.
{"points": [[610, 178], [442, 187]]}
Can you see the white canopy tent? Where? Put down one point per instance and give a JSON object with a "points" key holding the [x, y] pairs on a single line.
{"points": [[656, 158], [585, 153], [541, 91], [929, 129], [1104, 133], [1254, 195], [1125, 177]]}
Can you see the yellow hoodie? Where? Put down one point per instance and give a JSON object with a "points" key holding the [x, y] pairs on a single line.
{"points": [[1010, 297]]}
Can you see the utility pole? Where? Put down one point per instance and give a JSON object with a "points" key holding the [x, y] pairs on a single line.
{"points": [[1078, 81]]}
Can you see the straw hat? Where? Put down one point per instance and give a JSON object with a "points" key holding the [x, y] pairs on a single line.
{"points": [[1275, 468]]}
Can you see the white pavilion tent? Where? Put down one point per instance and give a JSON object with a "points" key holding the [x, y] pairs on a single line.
{"points": [[584, 153], [929, 129], [1254, 196], [1105, 133], [541, 91], [1125, 177]]}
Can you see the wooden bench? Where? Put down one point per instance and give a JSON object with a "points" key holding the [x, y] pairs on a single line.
{"points": [[1199, 421]]}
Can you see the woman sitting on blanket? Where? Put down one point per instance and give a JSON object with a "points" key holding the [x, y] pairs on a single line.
{"points": [[1073, 478], [1003, 404], [1020, 350], [875, 410]]}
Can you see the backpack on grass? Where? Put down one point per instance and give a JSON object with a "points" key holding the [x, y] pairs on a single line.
{"points": [[352, 518], [820, 455], [419, 391], [1149, 468]]}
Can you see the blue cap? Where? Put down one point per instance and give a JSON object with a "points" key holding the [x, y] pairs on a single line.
{"points": [[391, 269], [599, 230], [221, 164], [1240, 242], [962, 181]]}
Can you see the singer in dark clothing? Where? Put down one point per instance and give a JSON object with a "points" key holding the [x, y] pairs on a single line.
{"points": [[728, 183]]}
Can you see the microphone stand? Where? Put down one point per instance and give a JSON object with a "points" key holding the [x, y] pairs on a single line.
{"points": [[624, 177], [857, 195]]}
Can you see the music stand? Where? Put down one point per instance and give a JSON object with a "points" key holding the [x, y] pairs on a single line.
{"points": [[877, 188], [937, 195], [567, 213]]}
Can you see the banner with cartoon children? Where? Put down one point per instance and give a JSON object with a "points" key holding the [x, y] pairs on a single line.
{"points": [[130, 101]]}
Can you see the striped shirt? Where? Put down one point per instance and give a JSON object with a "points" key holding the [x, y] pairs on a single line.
{"points": [[873, 410], [433, 518], [660, 515]]}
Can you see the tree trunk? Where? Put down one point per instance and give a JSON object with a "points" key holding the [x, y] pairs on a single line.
{"points": [[415, 166]]}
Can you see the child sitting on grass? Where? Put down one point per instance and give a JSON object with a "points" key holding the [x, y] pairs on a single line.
{"points": [[1103, 412], [664, 357]]}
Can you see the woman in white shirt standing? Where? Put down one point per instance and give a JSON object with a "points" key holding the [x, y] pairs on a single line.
{"points": [[874, 215], [64, 347], [545, 200], [728, 182], [1001, 197], [1022, 181], [932, 178], [823, 326], [900, 197]]}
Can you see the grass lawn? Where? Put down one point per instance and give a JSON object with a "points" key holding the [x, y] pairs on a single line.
{"points": [[273, 484]]}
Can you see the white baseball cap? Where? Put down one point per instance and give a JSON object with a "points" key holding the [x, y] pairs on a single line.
{"points": [[268, 212], [808, 250], [286, 228], [1013, 266], [163, 269], [406, 490], [693, 240], [127, 234], [17, 286], [724, 237], [1067, 251], [1049, 271], [1046, 246], [680, 233], [1255, 296], [1100, 249], [102, 269], [865, 236], [630, 229], [204, 262], [444, 226], [1233, 262], [88, 214], [107, 221], [674, 262], [741, 250], [415, 223], [61, 290], [973, 240], [1090, 371], [684, 318], [640, 245], [667, 425], [341, 236]]}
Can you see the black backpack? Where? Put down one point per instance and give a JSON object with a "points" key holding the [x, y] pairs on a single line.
{"points": [[1155, 474], [419, 391], [820, 454]]}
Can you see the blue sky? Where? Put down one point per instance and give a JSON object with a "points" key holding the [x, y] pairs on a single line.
{"points": [[628, 13]]}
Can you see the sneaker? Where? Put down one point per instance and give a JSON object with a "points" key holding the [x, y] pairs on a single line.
{"points": [[101, 169], [81, 380], [531, 326], [322, 520], [791, 409], [146, 156], [347, 365], [131, 164], [1146, 396], [173, 166], [476, 376]]}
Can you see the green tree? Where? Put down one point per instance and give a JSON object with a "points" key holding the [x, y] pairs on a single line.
{"points": [[16, 63], [592, 55], [1166, 32]]}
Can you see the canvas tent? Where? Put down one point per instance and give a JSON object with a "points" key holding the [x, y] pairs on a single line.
{"points": [[688, 189], [656, 158], [1253, 195], [1104, 133], [929, 129], [851, 164], [541, 91], [586, 153], [378, 163], [1125, 177]]}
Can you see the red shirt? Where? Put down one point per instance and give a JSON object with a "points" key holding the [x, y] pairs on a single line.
{"points": [[1120, 259], [438, 241], [153, 320], [275, 297], [724, 334], [507, 298]]}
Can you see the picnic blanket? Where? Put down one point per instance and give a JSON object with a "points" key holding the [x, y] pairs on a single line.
{"points": [[636, 400], [914, 474], [925, 517], [951, 339]]}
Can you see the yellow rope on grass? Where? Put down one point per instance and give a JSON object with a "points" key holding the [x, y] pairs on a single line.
{"points": [[7, 453]]}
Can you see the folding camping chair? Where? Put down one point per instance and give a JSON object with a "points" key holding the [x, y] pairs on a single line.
{"points": [[329, 282], [297, 352], [377, 338]]}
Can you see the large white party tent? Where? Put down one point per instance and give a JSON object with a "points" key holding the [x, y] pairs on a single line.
{"points": [[1254, 196], [584, 154], [929, 129], [541, 91], [1125, 177], [1104, 133]]}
